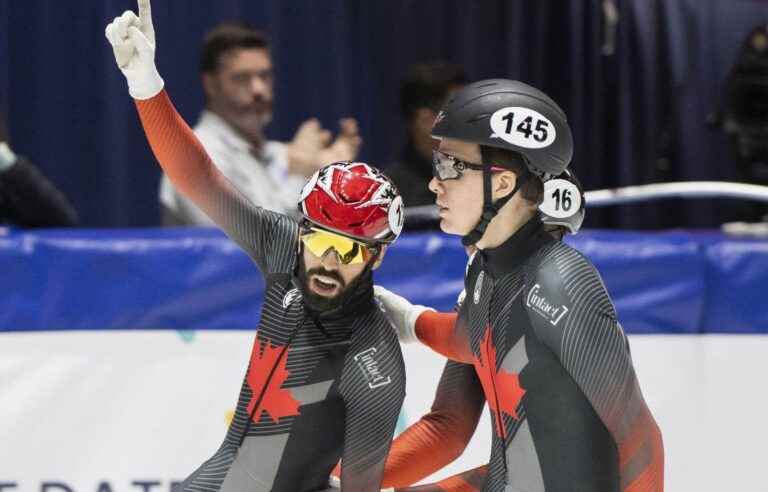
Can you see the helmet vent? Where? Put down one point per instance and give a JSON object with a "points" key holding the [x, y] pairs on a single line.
{"points": [[479, 117], [327, 216]]}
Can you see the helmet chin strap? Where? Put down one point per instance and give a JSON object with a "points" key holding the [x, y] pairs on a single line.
{"points": [[490, 209]]}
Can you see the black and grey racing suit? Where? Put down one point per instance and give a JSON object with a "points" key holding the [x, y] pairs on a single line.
{"points": [[554, 364], [319, 386]]}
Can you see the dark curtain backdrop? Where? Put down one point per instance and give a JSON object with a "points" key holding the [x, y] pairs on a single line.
{"points": [[638, 115]]}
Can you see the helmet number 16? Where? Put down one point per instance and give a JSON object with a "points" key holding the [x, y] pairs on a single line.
{"points": [[562, 201]]}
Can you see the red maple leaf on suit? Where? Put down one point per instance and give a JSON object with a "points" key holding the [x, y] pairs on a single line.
{"points": [[277, 402], [502, 389]]}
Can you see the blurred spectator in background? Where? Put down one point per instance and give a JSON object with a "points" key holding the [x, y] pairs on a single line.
{"points": [[27, 198], [425, 89], [745, 117], [236, 70]]}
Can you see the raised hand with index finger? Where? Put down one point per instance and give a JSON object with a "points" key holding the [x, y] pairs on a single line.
{"points": [[133, 44]]}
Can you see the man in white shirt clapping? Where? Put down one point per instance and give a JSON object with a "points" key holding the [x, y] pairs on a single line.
{"points": [[236, 69]]}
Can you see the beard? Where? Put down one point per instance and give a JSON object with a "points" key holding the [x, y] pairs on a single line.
{"points": [[322, 304], [251, 125], [249, 120], [254, 119], [313, 300]]}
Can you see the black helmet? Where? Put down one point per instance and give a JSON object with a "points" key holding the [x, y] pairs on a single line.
{"points": [[563, 204], [510, 115]]}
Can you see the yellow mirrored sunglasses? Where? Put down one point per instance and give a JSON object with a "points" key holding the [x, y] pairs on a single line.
{"points": [[318, 242]]}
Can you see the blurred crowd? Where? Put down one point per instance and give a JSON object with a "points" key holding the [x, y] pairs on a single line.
{"points": [[236, 73]]}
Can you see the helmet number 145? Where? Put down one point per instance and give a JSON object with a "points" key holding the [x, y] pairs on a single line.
{"points": [[540, 134], [523, 127]]}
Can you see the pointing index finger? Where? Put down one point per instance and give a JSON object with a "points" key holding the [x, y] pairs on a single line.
{"points": [[145, 13]]}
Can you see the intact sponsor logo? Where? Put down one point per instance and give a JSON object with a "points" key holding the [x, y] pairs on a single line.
{"points": [[290, 296], [543, 307], [366, 361]]}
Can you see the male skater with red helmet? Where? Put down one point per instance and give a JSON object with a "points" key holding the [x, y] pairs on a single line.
{"points": [[326, 378]]}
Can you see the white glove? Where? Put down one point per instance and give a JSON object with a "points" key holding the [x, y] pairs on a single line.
{"points": [[133, 43], [402, 314]]}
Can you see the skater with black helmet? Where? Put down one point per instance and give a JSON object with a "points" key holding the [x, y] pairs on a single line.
{"points": [[536, 322]]}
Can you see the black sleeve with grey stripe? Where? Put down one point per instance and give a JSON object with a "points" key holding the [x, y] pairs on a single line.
{"points": [[373, 387], [269, 238], [571, 312]]}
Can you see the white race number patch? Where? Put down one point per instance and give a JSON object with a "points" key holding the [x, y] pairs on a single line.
{"points": [[523, 127], [561, 199], [396, 215]]}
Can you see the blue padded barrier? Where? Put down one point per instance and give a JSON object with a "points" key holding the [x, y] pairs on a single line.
{"points": [[737, 280], [656, 281], [187, 279]]}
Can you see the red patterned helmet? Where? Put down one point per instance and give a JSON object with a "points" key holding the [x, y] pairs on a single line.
{"points": [[353, 199]]}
